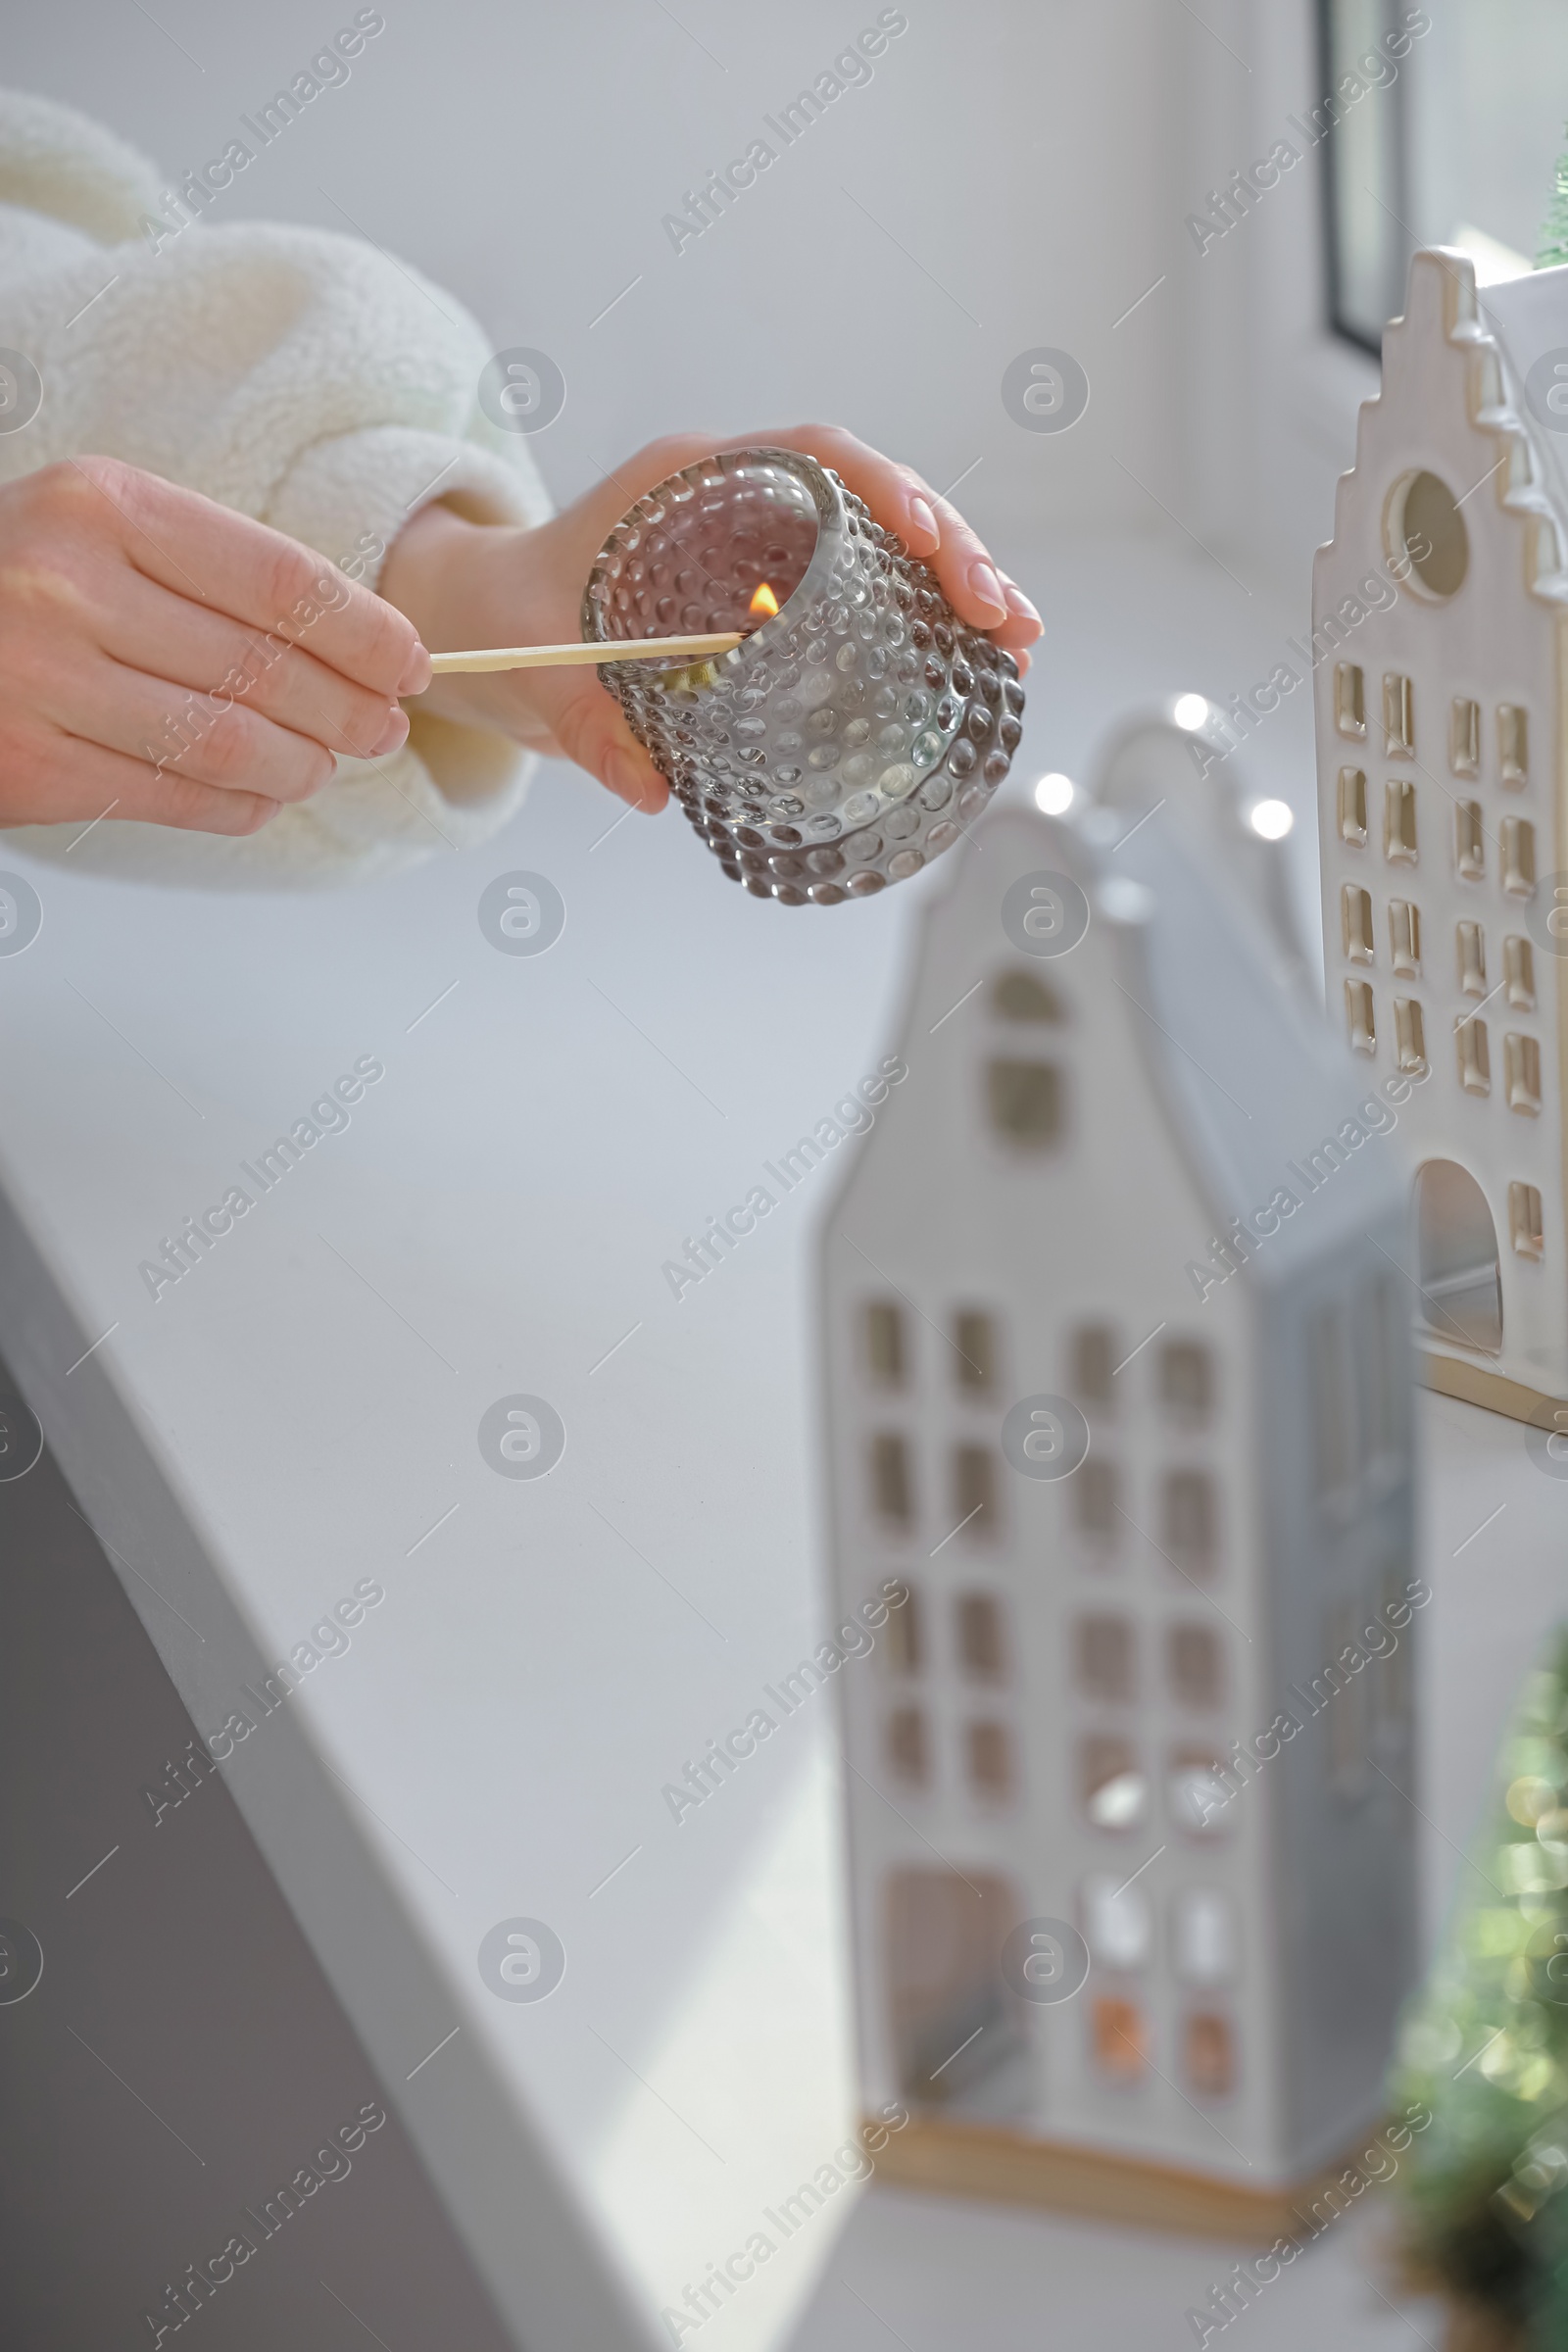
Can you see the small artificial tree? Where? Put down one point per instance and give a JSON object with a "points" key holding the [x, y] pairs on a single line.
{"points": [[1486, 2048], [1552, 245]]}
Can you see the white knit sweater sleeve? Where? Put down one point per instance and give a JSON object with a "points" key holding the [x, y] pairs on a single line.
{"points": [[299, 376]]}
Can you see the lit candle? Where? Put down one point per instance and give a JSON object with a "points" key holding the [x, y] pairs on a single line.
{"points": [[859, 726]]}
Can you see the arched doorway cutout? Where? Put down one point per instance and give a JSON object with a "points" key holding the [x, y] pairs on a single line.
{"points": [[1456, 1258]]}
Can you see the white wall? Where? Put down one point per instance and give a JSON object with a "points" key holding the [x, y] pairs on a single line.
{"points": [[1025, 154], [1273, 396], [1036, 160]]}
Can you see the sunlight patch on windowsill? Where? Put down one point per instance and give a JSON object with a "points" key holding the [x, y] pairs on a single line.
{"points": [[760, 2062], [1495, 263]]}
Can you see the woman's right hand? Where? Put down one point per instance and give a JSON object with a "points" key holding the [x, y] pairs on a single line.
{"points": [[164, 659]]}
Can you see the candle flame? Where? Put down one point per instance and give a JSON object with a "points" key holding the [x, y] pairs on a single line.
{"points": [[764, 604]]}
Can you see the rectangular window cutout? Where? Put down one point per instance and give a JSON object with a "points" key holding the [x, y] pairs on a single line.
{"points": [[1521, 1064], [1409, 1034], [1356, 922], [883, 1331], [1525, 1229], [908, 1749], [1336, 1425], [1094, 1364], [1404, 938], [1198, 1795], [1513, 745], [1023, 997], [892, 1488], [1469, 840], [1385, 1410], [945, 1998], [1208, 2056], [1347, 1712], [1203, 1936], [1519, 857], [1353, 807], [1112, 1785], [1103, 1657], [975, 1506], [1471, 941], [1399, 717], [1399, 823], [1391, 1693], [1194, 1665], [1187, 1380], [1349, 698], [1189, 1520], [1118, 1926], [1024, 1102], [1095, 1489], [1519, 970], [906, 1635], [974, 1350], [988, 1753], [1118, 2035], [1475, 1058], [1464, 737], [982, 1638], [1361, 1025]]}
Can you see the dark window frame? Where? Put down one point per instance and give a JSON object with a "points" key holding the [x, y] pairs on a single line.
{"points": [[1334, 188]]}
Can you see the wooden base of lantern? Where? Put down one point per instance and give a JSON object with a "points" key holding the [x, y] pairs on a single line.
{"points": [[979, 2160], [1452, 1376]]}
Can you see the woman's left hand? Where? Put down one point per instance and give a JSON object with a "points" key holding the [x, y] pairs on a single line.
{"points": [[467, 584]]}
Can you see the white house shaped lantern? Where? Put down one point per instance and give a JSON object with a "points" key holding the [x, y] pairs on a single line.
{"points": [[1136, 1182], [1440, 611]]}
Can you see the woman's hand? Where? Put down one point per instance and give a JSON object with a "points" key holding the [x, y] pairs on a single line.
{"points": [[471, 585], [164, 659]]}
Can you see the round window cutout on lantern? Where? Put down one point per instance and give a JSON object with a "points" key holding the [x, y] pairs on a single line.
{"points": [[1429, 546]]}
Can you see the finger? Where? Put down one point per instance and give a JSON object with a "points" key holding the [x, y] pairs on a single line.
{"points": [[979, 592], [207, 654], [587, 723], [969, 579], [148, 629], [1023, 624], [898, 498], [67, 780], [207, 738], [930, 526], [195, 548]]}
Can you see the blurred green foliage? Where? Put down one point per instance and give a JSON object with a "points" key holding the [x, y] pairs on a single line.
{"points": [[1486, 2046]]}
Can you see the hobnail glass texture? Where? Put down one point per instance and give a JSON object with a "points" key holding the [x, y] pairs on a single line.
{"points": [[854, 735]]}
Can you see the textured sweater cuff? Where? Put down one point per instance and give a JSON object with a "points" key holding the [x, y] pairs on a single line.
{"points": [[351, 496]]}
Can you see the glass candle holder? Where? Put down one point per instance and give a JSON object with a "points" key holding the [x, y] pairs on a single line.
{"points": [[859, 728]]}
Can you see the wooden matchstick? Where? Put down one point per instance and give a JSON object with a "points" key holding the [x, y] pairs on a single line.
{"points": [[571, 656]]}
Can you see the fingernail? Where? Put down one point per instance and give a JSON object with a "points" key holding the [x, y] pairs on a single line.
{"points": [[985, 587], [921, 518], [395, 732], [625, 776], [1019, 603], [416, 672]]}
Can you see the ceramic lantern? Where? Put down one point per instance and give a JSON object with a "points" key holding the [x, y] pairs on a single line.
{"points": [[1439, 656], [1118, 1398]]}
